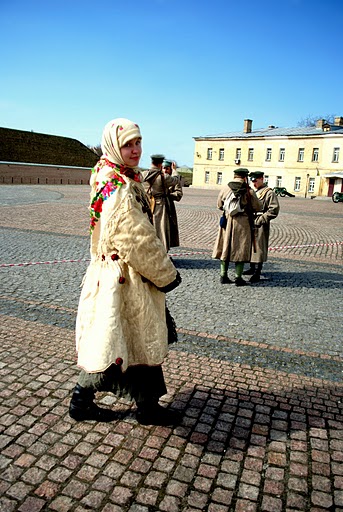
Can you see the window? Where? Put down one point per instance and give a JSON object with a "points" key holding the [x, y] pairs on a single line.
{"points": [[315, 154], [221, 154], [251, 154], [279, 181], [266, 179], [282, 155], [238, 153], [311, 183], [301, 155], [335, 156], [269, 154], [209, 153], [207, 177], [219, 178], [297, 184]]}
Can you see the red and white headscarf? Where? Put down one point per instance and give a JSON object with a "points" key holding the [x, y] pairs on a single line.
{"points": [[115, 135]]}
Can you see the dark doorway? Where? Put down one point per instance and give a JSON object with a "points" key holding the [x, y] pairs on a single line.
{"points": [[331, 185]]}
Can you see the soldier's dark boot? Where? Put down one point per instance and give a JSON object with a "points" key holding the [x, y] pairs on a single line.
{"points": [[225, 280], [224, 265], [251, 270], [82, 407], [239, 281], [256, 277]]}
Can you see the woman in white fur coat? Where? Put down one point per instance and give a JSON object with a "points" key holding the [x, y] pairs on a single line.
{"points": [[121, 333]]}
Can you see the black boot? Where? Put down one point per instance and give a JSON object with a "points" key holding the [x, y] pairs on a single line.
{"points": [[225, 280], [255, 278], [239, 281], [83, 408], [152, 413], [250, 271]]}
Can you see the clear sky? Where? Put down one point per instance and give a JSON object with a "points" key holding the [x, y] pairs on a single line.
{"points": [[179, 68]]}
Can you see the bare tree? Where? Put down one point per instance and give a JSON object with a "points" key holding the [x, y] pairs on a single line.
{"points": [[311, 120], [97, 149]]}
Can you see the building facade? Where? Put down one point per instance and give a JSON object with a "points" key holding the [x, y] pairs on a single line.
{"points": [[306, 161]]}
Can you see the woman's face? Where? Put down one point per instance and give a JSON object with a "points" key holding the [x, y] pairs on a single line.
{"points": [[131, 152]]}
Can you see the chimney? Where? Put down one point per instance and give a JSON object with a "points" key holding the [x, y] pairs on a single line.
{"points": [[320, 123], [247, 125], [338, 121]]}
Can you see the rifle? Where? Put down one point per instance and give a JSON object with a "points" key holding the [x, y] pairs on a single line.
{"points": [[251, 217]]}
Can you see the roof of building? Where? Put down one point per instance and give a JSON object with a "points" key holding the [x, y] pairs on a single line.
{"points": [[306, 131], [39, 148]]}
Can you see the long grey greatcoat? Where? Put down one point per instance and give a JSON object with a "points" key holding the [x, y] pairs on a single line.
{"points": [[175, 193], [270, 211], [235, 241], [164, 221], [121, 312]]}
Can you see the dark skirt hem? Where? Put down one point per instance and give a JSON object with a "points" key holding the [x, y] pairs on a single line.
{"points": [[140, 383]]}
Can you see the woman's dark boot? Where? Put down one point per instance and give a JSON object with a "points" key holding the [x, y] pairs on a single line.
{"points": [[82, 407], [152, 413]]}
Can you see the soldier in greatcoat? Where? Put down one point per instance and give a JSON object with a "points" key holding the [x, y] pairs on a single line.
{"points": [[234, 241], [175, 193], [156, 185], [270, 210]]}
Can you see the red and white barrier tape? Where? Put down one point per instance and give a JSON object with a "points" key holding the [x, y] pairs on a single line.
{"points": [[176, 254], [27, 263], [303, 246]]}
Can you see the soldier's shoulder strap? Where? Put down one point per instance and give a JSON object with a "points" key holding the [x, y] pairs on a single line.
{"points": [[263, 192]]}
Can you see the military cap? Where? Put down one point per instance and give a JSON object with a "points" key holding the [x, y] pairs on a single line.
{"points": [[256, 174], [167, 163], [157, 157], [241, 171]]}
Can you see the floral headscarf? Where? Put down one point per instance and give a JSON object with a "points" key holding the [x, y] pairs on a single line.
{"points": [[115, 135], [109, 172]]}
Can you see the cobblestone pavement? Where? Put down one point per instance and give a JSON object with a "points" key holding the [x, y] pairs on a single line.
{"points": [[256, 373]]}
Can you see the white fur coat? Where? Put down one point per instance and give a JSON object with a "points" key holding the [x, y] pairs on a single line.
{"points": [[121, 314]]}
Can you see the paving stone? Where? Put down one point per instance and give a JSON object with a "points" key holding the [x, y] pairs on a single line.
{"points": [[47, 489], [270, 504], [321, 499], [32, 505]]}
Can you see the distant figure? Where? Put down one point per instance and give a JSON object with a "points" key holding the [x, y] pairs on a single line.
{"points": [[175, 193], [235, 236], [270, 210], [157, 185]]}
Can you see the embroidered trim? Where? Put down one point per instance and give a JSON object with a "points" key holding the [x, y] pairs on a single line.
{"points": [[108, 187]]}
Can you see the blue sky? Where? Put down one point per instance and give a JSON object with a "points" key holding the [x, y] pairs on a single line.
{"points": [[179, 68]]}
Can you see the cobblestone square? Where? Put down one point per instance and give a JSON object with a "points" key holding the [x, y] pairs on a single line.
{"points": [[256, 373]]}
